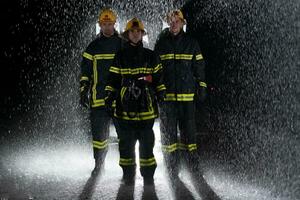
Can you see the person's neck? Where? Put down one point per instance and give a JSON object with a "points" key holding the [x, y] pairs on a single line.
{"points": [[174, 34], [134, 44], [107, 35]]}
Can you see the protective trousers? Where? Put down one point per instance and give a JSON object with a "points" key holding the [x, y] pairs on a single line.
{"points": [[181, 114], [129, 133], [100, 122]]}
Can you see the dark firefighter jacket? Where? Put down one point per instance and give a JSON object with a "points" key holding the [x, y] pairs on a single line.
{"points": [[134, 96], [96, 60], [183, 65]]}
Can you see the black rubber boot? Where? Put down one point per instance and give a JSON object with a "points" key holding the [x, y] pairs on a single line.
{"points": [[172, 162], [128, 175], [99, 166], [148, 180]]}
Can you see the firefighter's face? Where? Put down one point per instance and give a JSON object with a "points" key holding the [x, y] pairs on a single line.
{"points": [[176, 24], [135, 35], [107, 28]]}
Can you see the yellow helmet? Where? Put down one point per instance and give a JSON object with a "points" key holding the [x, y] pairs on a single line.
{"points": [[134, 23], [107, 15], [175, 13]]}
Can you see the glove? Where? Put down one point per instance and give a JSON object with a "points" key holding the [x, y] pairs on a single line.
{"points": [[160, 96], [85, 98], [110, 97], [201, 92]]}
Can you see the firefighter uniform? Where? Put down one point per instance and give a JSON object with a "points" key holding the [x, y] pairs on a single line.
{"points": [[183, 68], [96, 60], [135, 78]]}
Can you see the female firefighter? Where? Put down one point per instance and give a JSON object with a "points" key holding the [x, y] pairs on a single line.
{"points": [[135, 83]]}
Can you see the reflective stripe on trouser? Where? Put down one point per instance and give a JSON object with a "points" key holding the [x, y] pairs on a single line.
{"points": [[129, 133], [100, 122], [173, 114]]}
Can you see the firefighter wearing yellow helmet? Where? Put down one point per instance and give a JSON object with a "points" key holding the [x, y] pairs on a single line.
{"points": [[96, 60], [184, 77], [107, 15], [133, 24], [135, 82]]}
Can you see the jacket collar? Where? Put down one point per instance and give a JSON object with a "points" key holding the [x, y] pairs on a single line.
{"points": [[101, 35], [179, 35], [138, 45]]}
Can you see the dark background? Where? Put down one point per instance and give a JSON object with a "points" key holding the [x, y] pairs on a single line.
{"points": [[250, 120]]}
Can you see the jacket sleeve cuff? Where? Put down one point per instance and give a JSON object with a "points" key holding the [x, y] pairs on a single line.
{"points": [[202, 84], [109, 88], [161, 88]]}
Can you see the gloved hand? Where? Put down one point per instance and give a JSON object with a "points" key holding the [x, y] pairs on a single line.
{"points": [[201, 92], [160, 96], [110, 97], [85, 98]]}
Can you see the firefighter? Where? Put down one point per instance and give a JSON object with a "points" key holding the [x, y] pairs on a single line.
{"points": [[135, 83], [96, 60], [184, 78]]}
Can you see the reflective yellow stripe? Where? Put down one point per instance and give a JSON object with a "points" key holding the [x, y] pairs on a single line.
{"points": [[104, 56], [138, 116], [192, 147], [189, 147], [183, 56], [98, 102], [199, 57], [202, 84], [178, 146], [176, 56], [82, 88], [179, 97], [161, 87], [100, 145], [98, 56], [94, 94], [141, 70], [170, 148], [166, 56], [109, 88], [87, 56], [182, 146], [147, 162], [99, 142], [115, 70], [84, 78], [123, 90], [157, 68], [126, 162]]}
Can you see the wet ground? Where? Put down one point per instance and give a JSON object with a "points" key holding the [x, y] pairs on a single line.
{"points": [[63, 171]]}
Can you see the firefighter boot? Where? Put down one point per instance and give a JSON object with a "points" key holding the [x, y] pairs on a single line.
{"points": [[172, 162], [193, 163], [148, 174], [99, 167], [99, 163], [148, 180], [128, 175]]}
